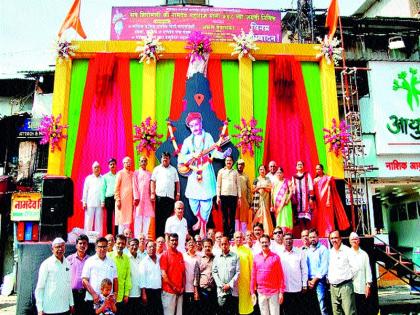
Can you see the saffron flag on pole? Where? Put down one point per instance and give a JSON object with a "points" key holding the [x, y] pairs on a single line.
{"points": [[73, 20], [332, 17]]}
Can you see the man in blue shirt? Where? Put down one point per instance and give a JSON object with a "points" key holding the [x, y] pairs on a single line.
{"points": [[317, 259]]}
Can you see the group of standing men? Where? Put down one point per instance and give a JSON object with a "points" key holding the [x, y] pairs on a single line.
{"points": [[130, 197], [210, 277]]}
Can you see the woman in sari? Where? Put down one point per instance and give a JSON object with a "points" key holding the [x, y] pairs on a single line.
{"points": [[328, 204], [261, 189], [281, 193], [303, 195]]}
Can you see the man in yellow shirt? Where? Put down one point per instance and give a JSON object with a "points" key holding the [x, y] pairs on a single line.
{"points": [[123, 273]]}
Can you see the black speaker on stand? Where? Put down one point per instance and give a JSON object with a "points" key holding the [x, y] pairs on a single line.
{"points": [[56, 207]]}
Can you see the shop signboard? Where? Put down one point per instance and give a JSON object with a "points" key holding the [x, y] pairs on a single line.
{"points": [[395, 94], [26, 206], [175, 23], [402, 165]]}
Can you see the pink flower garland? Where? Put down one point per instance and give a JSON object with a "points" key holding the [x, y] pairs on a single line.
{"points": [[147, 135], [338, 137], [52, 131], [199, 44], [248, 136]]}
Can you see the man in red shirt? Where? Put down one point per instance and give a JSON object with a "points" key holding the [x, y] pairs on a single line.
{"points": [[267, 279], [173, 274]]}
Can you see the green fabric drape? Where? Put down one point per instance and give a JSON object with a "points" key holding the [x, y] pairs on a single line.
{"points": [[230, 72], [136, 78], [260, 76], [311, 76], [164, 81], [77, 88]]}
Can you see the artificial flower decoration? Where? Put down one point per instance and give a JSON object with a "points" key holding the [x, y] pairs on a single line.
{"points": [[52, 131], [147, 136], [244, 45], [338, 137], [248, 136], [330, 49], [199, 45], [150, 48], [64, 49]]}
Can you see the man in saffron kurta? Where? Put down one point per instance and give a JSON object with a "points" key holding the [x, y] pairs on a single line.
{"points": [[124, 196], [245, 266], [141, 190]]}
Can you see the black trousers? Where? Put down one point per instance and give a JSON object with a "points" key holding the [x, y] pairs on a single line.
{"points": [[110, 209], [154, 302], [228, 204], [208, 301], [189, 305], [362, 305], [135, 306], [80, 306], [90, 308], [163, 210], [122, 308], [230, 307]]}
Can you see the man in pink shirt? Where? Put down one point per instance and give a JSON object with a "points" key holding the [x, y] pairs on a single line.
{"points": [[124, 196], [141, 191], [267, 279]]}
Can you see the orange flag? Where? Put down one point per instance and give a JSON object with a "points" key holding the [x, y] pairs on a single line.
{"points": [[73, 20], [332, 17]]}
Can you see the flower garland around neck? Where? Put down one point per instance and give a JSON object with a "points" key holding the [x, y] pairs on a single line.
{"points": [[338, 137], [147, 136], [248, 136], [199, 46], [150, 48], [52, 131], [201, 162], [244, 45]]}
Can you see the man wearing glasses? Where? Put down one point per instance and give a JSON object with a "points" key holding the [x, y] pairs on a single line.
{"points": [[97, 268], [276, 245]]}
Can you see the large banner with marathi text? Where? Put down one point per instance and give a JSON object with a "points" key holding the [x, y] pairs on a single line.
{"points": [[175, 23]]}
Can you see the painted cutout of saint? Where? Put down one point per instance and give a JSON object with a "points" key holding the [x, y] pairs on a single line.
{"points": [[195, 158]]}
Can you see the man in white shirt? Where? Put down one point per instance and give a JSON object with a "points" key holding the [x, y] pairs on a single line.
{"points": [[177, 224], [151, 281], [295, 271], [164, 190], [97, 268], [340, 275], [94, 199], [217, 250], [134, 302], [53, 293], [190, 298], [272, 169], [276, 245], [362, 280]]}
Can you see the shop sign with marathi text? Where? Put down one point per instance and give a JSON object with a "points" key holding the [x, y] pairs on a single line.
{"points": [[398, 165], [175, 23], [395, 94], [26, 206]]}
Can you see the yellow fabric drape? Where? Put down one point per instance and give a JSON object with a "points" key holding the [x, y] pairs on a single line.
{"points": [[330, 107], [246, 105], [60, 105]]}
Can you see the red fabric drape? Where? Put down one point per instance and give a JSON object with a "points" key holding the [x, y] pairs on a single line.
{"points": [[178, 88], [105, 128], [289, 131], [215, 77]]}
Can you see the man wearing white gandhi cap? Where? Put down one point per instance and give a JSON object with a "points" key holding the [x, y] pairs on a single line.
{"points": [[53, 293], [94, 199]]}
